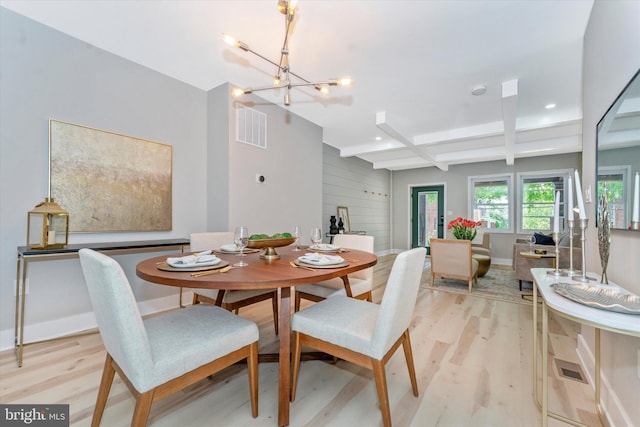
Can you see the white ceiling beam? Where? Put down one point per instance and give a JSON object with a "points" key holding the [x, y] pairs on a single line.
{"points": [[470, 132], [375, 147], [383, 124], [400, 164], [509, 110]]}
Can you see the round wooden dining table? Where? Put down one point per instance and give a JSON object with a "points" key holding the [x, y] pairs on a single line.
{"points": [[263, 274]]}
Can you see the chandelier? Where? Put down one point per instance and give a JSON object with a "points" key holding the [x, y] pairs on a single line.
{"points": [[283, 76]]}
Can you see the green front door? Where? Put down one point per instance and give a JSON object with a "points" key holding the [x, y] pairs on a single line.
{"points": [[427, 215]]}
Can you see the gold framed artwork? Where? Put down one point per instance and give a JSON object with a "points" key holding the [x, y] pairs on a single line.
{"points": [[109, 182], [343, 213]]}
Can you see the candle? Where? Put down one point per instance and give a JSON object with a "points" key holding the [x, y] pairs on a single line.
{"points": [[556, 214], [570, 200], [636, 200], [579, 196]]}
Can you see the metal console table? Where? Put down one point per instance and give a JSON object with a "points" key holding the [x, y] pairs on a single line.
{"points": [[26, 255], [626, 324]]}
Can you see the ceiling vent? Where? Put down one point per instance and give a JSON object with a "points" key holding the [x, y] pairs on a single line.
{"points": [[251, 127]]}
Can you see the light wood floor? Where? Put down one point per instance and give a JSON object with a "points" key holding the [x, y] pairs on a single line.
{"points": [[472, 356]]}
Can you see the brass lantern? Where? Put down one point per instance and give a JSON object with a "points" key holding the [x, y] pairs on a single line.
{"points": [[47, 226]]}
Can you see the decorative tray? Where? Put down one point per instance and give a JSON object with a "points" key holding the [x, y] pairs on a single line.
{"points": [[602, 297]]}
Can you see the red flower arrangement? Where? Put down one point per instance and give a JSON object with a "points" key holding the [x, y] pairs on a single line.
{"points": [[464, 229]]}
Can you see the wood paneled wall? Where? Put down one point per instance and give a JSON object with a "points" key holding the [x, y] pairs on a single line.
{"points": [[353, 183]]}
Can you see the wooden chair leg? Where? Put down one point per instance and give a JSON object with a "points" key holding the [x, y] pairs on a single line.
{"points": [[274, 304], [143, 407], [381, 386], [196, 300], [103, 392], [408, 355], [252, 368], [297, 348]]}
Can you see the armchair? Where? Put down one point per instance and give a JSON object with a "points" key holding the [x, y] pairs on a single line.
{"points": [[453, 258]]}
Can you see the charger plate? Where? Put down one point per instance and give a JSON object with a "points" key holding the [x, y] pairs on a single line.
{"points": [[304, 264], [167, 267], [602, 297]]}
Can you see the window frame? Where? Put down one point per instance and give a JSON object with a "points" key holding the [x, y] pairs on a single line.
{"points": [[508, 177], [627, 190], [556, 173]]}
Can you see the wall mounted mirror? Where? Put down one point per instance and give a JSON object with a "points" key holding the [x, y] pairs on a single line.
{"points": [[618, 157]]}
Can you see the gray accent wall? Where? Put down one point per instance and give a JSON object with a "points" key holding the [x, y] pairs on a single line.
{"points": [[47, 74], [366, 192]]}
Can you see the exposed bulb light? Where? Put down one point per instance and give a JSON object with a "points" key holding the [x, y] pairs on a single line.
{"points": [[287, 8], [550, 106]]}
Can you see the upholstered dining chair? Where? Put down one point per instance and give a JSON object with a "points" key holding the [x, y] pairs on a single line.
{"points": [[360, 282], [232, 300], [158, 356], [453, 258], [362, 332]]}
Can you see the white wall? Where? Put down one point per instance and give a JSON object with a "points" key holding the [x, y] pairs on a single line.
{"points": [[611, 58]]}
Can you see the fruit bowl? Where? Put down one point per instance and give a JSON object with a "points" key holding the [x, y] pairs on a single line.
{"points": [[268, 245]]}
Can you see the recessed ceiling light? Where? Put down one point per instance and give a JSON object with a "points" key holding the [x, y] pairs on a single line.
{"points": [[550, 106], [479, 90], [378, 138]]}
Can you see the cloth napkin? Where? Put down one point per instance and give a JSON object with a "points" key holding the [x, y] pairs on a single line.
{"points": [[320, 259], [197, 258], [229, 248]]}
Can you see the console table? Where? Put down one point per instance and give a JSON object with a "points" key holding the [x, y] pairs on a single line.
{"points": [[27, 254], [620, 323]]}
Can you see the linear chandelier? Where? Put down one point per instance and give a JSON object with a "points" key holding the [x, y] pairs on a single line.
{"points": [[283, 76]]}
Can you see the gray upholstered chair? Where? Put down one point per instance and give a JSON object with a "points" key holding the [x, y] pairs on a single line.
{"points": [[452, 258], [360, 282], [158, 356], [362, 332], [232, 300]]}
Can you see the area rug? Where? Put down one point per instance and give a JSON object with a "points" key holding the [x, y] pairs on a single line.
{"points": [[498, 284]]}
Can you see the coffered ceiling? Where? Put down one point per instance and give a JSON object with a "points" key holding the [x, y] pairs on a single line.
{"points": [[415, 64]]}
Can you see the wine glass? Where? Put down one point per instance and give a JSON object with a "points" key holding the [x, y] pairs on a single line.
{"points": [[241, 239], [532, 240], [316, 236], [297, 231]]}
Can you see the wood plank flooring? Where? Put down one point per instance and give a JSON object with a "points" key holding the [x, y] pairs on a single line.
{"points": [[472, 356]]}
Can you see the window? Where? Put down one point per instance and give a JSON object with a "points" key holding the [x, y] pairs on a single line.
{"points": [[616, 180], [537, 197], [491, 201]]}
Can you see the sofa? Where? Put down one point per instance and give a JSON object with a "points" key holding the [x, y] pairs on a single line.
{"points": [[522, 265]]}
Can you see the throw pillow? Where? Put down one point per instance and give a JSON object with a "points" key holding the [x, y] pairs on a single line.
{"points": [[542, 239]]}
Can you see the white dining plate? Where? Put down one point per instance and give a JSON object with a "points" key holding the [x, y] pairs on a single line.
{"points": [[320, 259], [193, 261], [324, 247]]}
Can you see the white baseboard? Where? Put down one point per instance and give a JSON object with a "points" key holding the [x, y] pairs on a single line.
{"points": [[612, 407], [81, 322]]}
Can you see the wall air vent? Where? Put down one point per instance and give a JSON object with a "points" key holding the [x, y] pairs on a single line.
{"points": [[251, 127]]}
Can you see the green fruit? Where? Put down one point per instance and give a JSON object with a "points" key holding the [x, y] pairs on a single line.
{"points": [[277, 236], [255, 237], [287, 235]]}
